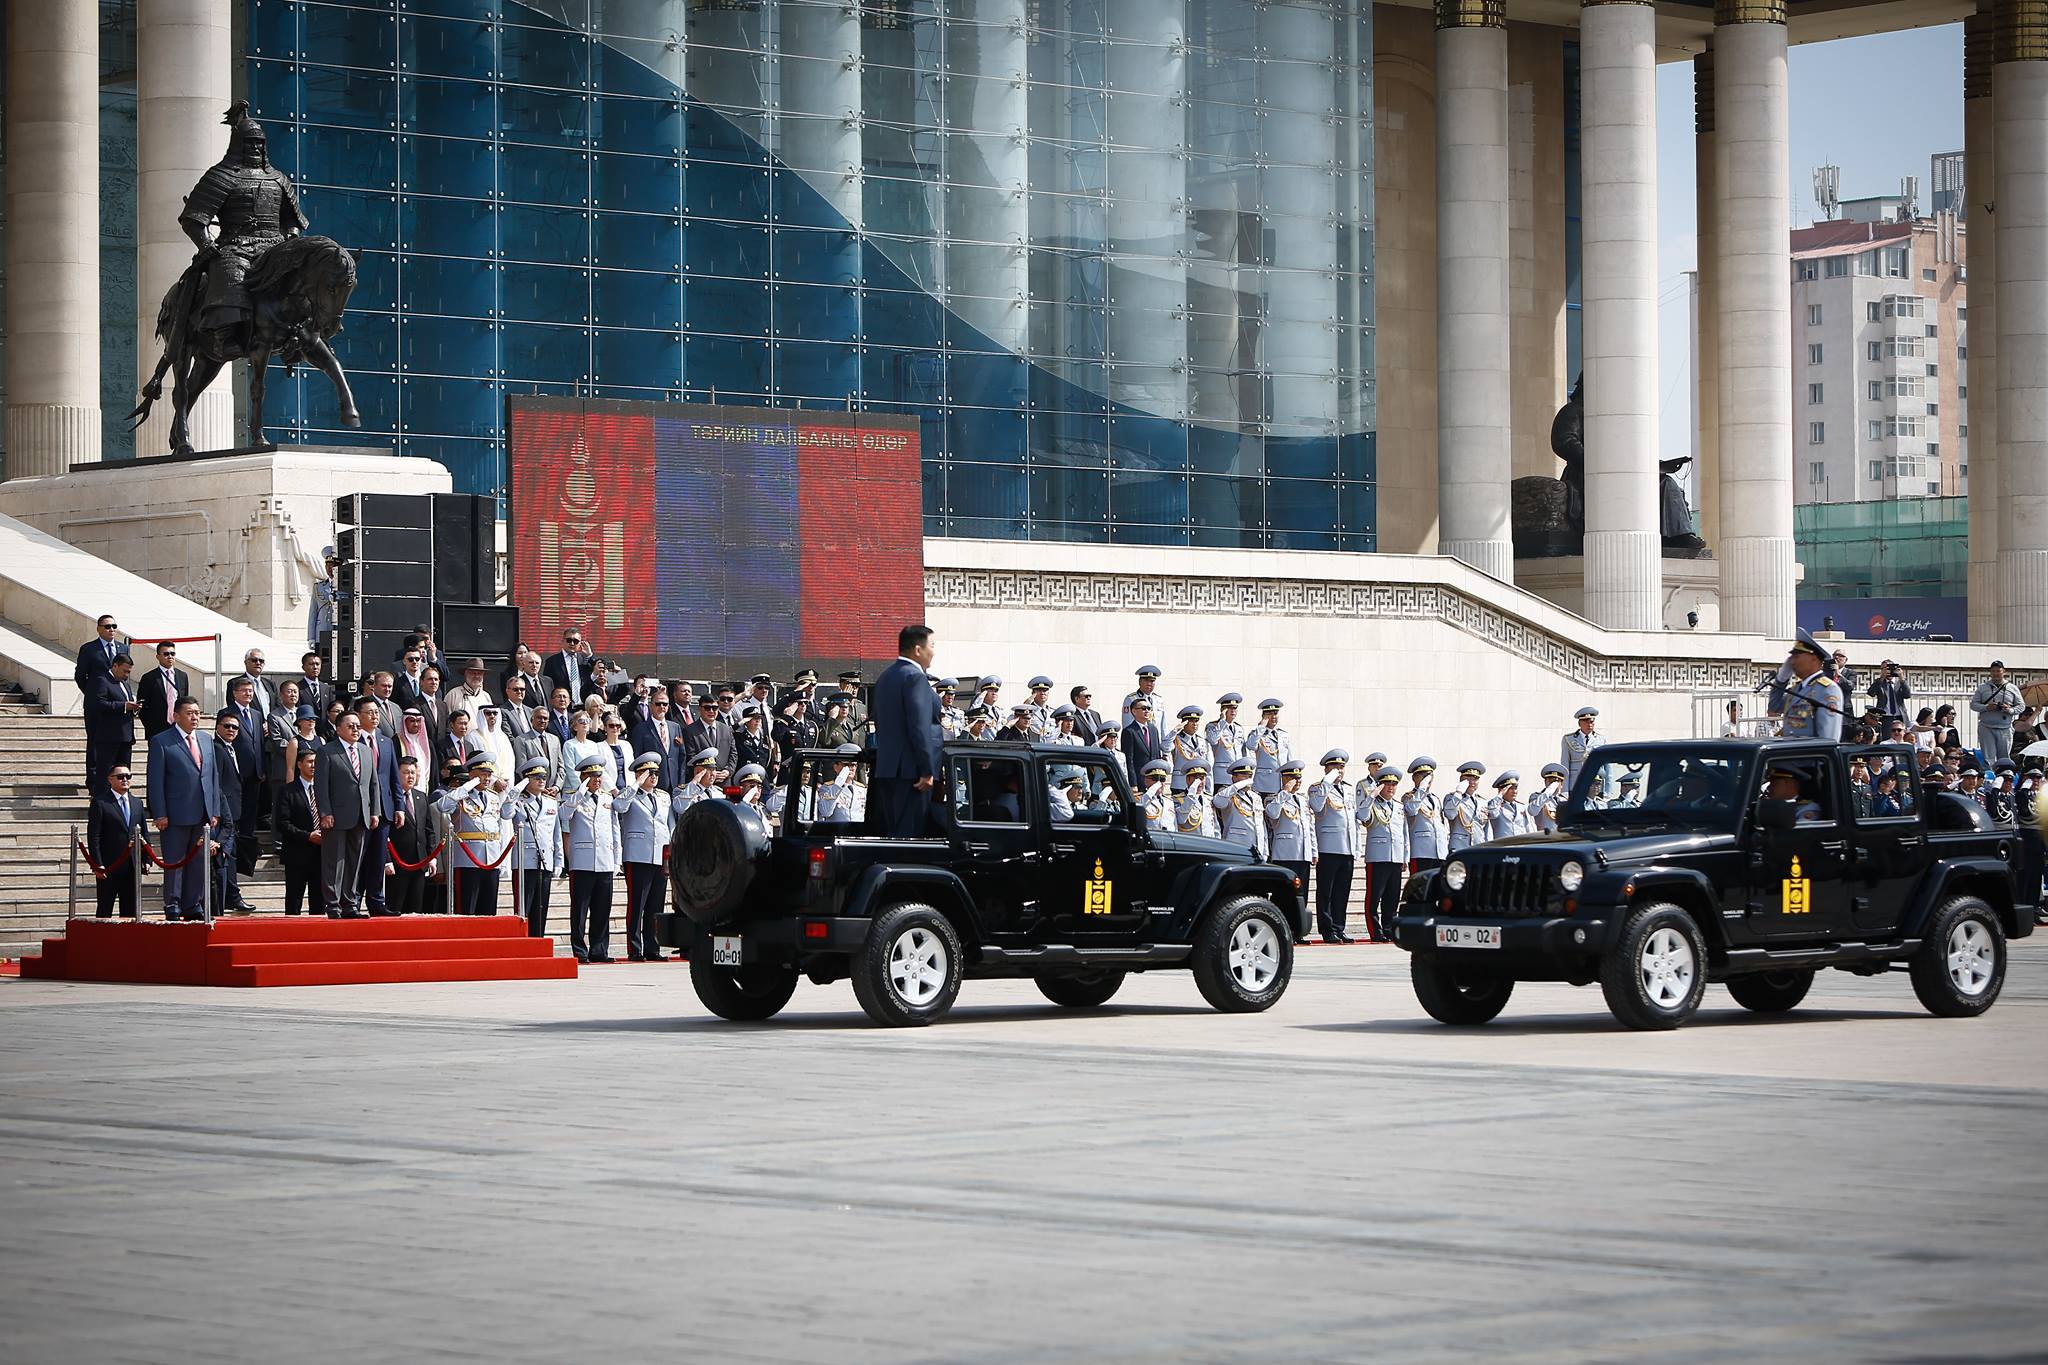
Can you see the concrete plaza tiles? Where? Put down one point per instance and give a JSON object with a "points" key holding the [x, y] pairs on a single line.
{"points": [[571, 1170]]}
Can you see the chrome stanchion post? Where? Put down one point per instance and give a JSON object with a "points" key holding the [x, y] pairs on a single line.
{"points": [[206, 873], [135, 864], [72, 911]]}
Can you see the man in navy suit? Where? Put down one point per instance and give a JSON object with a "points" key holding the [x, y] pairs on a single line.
{"points": [[1141, 742], [109, 722], [97, 655], [572, 667], [184, 801], [907, 736], [115, 815], [659, 735]]}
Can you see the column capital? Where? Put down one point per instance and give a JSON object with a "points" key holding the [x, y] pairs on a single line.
{"points": [[1749, 12], [1703, 93], [2021, 34], [1471, 14], [1978, 32]]}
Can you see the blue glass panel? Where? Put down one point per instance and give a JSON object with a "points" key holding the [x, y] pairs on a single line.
{"points": [[367, 343], [544, 175], [273, 28], [338, 156], [558, 236], [737, 306], [714, 137], [484, 10], [649, 127], [1070, 438], [1069, 386], [546, 116], [711, 248], [450, 166], [1069, 495], [450, 346], [639, 241], [359, 219], [273, 89], [902, 319], [349, 37], [816, 313], [798, 205], [806, 257], [456, 108], [1148, 443], [726, 365], [628, 66], [1148, 498], [990, 528], [533, 351], [636, 300], [1214, 450], [1357, 456], [823, 371], [1301, 540], [542, 293], [642, 184], [1357, 507], [452, 226], [351, 99], [1302, 457], [986, 434], [543, 56], [1145, 534], [934, 481], [931, 424], [902, 208], [986, 381], [736, 192], [448, 47], [283, 147], [477, 466], [893, 374], [650, 360], [962, 335], [376, 282], [451, 407], [1226, 503], [376, 398], [449, 285], [986, 490], [1300, 505]]}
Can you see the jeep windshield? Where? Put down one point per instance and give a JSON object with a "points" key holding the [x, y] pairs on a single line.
{"points": [[1620, 789]]}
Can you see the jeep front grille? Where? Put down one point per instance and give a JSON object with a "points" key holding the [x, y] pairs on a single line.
{"points": [[1493, 887]]}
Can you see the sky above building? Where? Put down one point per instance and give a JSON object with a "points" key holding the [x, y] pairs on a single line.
{"points": [[1878, 107]]}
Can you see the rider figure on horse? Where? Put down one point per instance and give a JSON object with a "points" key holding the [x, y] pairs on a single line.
{"points": [[251, 205]]}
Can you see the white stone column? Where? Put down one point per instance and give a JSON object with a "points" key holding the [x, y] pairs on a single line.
{"points": [[184, 53], [1980, 177], [820, 80], [1475, 450], [989, 226], [1146, 274], [1618, 196], [2019, 77], [1751, 135], [53, 235]]}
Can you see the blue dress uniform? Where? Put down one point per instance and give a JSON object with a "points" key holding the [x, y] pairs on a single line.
{"points": [[1188, 746], [1291, 826], [539, 855], [840, 799], [1270, 747], [1425, 817], [644, 826], [589, 822], [1336, 846], [1196, 814], [1577, 745], [1156, 800], [1465, 810], [1386, 853], [1505, 814], [1813, 704], [1240, 810], [476, 822], [1543, 805], [1225, 736]]}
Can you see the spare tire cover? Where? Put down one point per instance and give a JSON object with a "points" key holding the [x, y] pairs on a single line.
{"points": [[718, 849]]}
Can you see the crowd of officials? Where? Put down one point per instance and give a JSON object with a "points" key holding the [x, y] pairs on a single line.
{"points": [[432, 789]]}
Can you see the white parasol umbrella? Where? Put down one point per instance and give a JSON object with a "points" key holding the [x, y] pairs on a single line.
{"points": [[2038, 749]]}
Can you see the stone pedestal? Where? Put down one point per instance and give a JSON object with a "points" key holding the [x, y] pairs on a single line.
{"points": [[238, 533], [1688, 585]]}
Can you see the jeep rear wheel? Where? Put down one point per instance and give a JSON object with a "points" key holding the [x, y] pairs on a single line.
{"points": [[1960, 967], [742, 994], [1454, 994], [908, 972], [1656, 972], [1770, 992], [1081, 990], [1244, 956]]}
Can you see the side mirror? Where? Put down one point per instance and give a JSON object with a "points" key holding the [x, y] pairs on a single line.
{"points": [[1777, 815]]}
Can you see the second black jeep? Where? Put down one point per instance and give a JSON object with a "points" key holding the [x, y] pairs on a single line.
{"points": [[1037, 864]]}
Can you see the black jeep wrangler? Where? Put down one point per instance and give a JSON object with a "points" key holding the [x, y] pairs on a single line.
{"points": [[1072, 891], [1752, 863]]}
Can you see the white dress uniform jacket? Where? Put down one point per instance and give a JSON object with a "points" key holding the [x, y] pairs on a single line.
{"points": [[590, 829]]}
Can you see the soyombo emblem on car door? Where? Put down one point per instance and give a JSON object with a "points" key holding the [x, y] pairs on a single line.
{"points": [[1798, 891], [1095, 893]]}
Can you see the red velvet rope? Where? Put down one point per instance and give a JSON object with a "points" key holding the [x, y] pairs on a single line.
{"points": [[510, 844], [405, 866], [190, 854], [115, 866]]}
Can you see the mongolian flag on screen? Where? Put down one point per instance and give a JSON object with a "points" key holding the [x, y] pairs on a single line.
{"points": [[585, 527]]}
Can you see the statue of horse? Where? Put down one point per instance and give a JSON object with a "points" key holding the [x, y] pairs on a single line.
{"points": [[298, 290]]}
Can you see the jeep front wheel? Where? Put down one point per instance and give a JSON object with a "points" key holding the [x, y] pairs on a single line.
{"points": [[1456, 995], [908, 972], [1656, 972], [1082, 990], [743, 994], [1960, 967], [1770, 992], [1244, 956]]}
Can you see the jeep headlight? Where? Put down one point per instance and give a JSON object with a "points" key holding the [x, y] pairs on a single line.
{"points": [[1454, 875], [1571, 875]]}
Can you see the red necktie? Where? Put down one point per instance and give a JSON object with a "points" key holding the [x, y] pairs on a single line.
{"points": [[355, 763], [192, 747]]}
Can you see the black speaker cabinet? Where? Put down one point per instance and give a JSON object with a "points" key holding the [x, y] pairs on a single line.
{"points": [[465, 545], [477, 631]]}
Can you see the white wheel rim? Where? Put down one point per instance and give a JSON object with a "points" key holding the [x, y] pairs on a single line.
{"points": [[917, 966], [1667, 968], [1254, 955], [1972, 956]]}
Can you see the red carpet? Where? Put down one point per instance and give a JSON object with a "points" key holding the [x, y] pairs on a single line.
{"points": [[292, 951]]}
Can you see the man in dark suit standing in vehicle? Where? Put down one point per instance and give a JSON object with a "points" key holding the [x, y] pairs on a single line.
{"points": [[907, 736]]}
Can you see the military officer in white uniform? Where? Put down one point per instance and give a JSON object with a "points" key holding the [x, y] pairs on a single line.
{"points": [[1579, 743], [1374, 761], [1334, 802], [1465, 810], [1187, 746], [1271, 748], [1224, 735], [1291, 825], [532, 812], [1505, 814], [1063, 731], [702, 786], [1543, 805], [645, 822], [1038, 710], [476, 819], [1424, 816], [1385, 849], [1196, 815], [1066, 793], [840, 799], [1148, 685], [1240, 810], [1156, 801], [589, 821]]}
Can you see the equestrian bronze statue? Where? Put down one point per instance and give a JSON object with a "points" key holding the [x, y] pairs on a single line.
{"points": [[257, 289]]}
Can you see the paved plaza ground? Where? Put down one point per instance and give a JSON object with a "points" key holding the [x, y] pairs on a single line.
{"points": [[598, 1171]]}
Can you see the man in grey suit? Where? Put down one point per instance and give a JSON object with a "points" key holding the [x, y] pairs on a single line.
{"points": [[351, 806]]}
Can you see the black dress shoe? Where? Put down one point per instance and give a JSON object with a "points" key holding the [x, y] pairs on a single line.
{"points": [[657, 957], [1344, 938], [599, 961]]}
